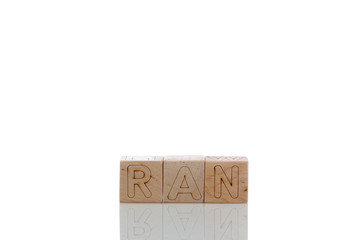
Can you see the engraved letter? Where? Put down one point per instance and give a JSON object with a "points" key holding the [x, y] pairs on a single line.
{"points": [[231, 185], [138, 175], [184, 184]]}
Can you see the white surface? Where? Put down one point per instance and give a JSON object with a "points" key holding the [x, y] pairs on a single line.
{"points": [[83, 83]]}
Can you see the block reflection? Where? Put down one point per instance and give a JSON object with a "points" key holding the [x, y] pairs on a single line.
{"points": [[140, 221], [183, 221], [226, 222]]}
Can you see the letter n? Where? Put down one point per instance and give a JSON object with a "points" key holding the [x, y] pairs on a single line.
{"points": [[222, 181]]}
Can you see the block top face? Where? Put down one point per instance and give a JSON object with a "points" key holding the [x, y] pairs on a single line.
{"points": [[142, 158], [185, 158], [226, 158]]}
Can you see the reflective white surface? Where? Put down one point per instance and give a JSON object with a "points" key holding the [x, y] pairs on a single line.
{"points": [[183, 221], [83, 83]]}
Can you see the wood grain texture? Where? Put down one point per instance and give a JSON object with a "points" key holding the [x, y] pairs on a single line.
{"points": [[226, 180], [141, 179], [184, 179]]}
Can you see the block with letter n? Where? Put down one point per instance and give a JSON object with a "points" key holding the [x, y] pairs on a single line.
{"points": [[226, 180]]}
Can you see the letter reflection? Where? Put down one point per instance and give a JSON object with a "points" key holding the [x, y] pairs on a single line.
{"points": [[183, 221]]}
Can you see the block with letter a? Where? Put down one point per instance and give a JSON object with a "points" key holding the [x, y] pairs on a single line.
{"points": [[226, 180], [141, 179], [184, 179]]}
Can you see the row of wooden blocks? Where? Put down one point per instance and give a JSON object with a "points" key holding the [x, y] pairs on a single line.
{"points": [[183, 179]]}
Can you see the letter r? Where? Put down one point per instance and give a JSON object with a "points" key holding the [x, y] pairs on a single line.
{"points": [[138, 176]]}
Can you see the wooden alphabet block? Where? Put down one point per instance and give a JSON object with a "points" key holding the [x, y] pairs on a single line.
{"points": [[226, 180], [141, 179], [184, 179]]}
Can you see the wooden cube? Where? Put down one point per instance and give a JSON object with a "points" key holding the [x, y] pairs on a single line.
{"points": [[226, 180], [141, 179], [184, 179]]}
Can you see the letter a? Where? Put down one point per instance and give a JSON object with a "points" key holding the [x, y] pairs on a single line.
{"points": [[184, 184]]}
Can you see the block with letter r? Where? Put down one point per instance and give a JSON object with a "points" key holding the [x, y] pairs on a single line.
{"points": [[141, 179]]}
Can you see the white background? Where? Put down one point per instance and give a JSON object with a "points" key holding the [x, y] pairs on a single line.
{"points": [[84, 82]]}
